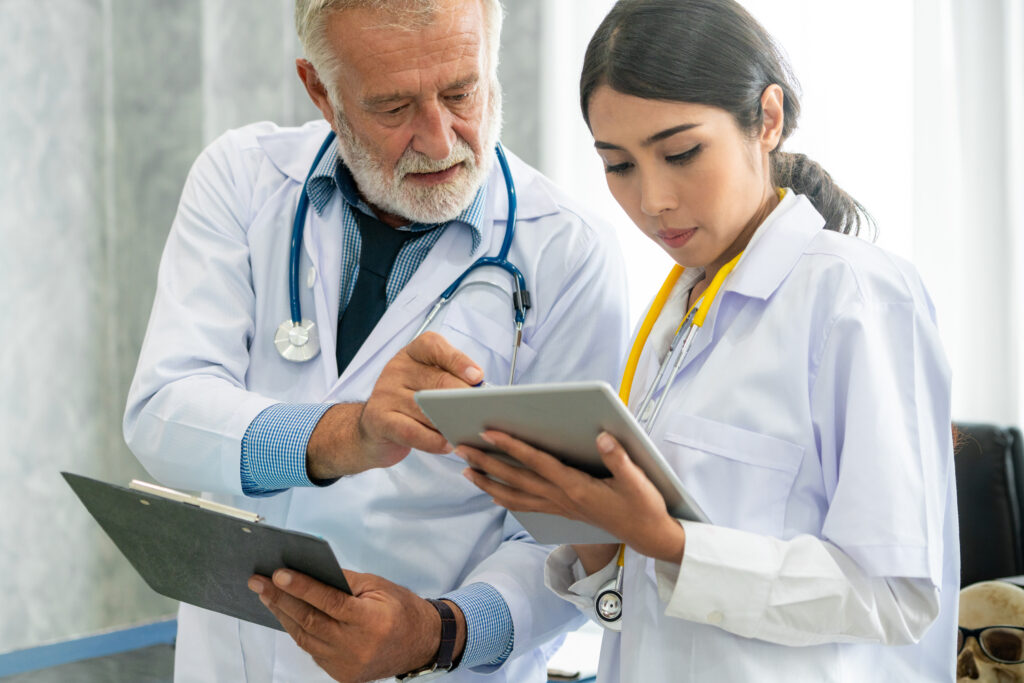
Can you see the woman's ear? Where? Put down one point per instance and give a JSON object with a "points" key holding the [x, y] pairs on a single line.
{"points": [[772, 100]]}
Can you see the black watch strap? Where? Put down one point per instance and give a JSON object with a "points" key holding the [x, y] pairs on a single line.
{"points": [[445, 651], [445, 659]]}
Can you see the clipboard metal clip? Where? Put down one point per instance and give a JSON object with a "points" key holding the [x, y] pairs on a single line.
{"points": [[171, 494]]}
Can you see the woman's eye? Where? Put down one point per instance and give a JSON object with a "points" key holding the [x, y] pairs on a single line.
{"points": [[617, 169], [685, 156]]}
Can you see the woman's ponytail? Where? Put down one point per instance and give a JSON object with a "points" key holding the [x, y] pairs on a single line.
{"points": [[805, 176]]}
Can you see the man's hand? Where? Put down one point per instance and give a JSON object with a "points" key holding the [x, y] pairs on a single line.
{"points": [[381, 630], [351, 438]]}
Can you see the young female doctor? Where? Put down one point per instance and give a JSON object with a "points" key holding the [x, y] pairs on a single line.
{"points": [[808, 414]]}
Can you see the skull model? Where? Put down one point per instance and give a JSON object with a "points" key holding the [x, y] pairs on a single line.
{"points": [[991, 603]]}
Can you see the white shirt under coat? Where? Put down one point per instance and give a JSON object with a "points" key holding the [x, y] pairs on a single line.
{"points": [[811, 422], [209, 366]]}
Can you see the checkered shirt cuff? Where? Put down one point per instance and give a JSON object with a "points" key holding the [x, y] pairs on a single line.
{"points": [[274, 448], [489, 630]]}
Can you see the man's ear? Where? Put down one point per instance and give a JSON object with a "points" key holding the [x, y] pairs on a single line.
{"points": [[315, 88], [772, 100]]}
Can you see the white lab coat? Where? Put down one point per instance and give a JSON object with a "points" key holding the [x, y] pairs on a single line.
{"points": [[208, 366], [814, 404]]}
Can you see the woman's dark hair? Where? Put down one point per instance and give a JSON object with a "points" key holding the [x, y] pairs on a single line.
{"points": [[711, 52]]}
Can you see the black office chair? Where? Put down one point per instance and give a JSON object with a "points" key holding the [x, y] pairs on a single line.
{"points": [[990, 492]]}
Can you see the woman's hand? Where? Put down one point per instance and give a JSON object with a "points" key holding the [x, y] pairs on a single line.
{"points": [[595, 556], [626, 504]]}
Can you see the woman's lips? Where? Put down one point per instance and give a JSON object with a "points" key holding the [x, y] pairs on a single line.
{"points": [[435, 178], [676, 238]]}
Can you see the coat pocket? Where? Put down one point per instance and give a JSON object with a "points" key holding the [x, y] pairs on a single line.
{"points": [[486, 340], [742, 479]]}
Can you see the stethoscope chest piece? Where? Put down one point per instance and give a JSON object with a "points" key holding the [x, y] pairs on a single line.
{"points": [[608, 603], [297, 342]]}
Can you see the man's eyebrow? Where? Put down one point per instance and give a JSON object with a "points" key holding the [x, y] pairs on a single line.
{"points": [[397, 96], [661, 135]]}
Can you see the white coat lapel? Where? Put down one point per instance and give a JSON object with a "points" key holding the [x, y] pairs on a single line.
{"points": [[322, 244], [772, 254]]}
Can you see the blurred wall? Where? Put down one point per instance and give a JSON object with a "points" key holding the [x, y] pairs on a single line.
{"points": [[104, 106]]}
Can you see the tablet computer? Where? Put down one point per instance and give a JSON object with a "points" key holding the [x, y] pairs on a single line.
{"points": [[562, 419], [201, 552]]}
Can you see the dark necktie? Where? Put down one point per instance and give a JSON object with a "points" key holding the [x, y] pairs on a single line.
{"points": [[381, 244]]}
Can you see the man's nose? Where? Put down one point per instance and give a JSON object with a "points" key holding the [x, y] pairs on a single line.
{"points": [[434, 134]]}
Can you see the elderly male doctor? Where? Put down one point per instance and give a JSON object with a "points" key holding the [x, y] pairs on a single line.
{"points": [[335, 445]]}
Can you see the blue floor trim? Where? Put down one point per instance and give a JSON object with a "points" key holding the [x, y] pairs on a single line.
{"points": [[68, 651]]}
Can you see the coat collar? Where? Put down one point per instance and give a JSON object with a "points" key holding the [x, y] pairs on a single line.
{"points": [[776, 247]]}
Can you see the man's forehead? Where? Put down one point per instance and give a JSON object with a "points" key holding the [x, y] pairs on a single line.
{"points": [[363, 37]]}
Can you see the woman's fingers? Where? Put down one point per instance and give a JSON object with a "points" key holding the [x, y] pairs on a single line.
{"points": [[544, 464], [514, 498], [513, 476], [624, 471]]}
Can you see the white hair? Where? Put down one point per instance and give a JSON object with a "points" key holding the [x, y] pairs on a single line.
{"points": [[311, 25]]}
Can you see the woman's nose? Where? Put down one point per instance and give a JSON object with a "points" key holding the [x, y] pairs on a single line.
{"points": [[657, 194]]}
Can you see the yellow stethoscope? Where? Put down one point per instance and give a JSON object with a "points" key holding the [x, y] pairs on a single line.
{"points": [[608, 602], [609, 599]]}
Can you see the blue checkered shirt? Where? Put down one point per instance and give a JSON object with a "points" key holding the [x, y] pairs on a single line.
{"points": [[274, 445]]}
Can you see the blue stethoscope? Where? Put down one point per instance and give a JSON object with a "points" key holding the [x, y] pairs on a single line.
{"points": [[297, 339]]}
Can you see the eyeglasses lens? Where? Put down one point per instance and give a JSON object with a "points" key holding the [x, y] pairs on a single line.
{"points": [[1003, 644]]}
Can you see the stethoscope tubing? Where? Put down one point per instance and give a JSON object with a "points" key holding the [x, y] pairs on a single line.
{"points": [[608, 603], [520, 294], [298, 227]]}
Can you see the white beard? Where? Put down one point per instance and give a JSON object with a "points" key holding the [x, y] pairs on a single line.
{"points": [[388, 190]]}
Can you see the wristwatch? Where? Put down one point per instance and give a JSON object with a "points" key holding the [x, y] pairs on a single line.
{"points": [[444, 659]]}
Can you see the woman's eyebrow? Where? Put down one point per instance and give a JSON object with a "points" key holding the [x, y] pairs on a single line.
{"points": [[661, 135]]}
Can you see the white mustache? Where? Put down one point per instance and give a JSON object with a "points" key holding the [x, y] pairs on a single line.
{"points": [[417, 162]]}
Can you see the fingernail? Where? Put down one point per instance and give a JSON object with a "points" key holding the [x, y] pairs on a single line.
{"points": [[473, 375], [265, 600], [483, 435], [468, 473], [459, 451], [605, 443], [255, 586], [282, 578]]}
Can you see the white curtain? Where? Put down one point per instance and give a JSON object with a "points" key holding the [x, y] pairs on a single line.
{"points": [[916, 108]]}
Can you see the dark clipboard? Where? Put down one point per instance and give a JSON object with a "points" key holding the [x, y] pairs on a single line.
{"points": [[202, 556]]}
